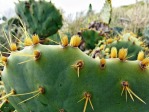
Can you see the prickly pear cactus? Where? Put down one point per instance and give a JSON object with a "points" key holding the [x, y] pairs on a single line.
{"points": [[126, 40], [93, 34], [61, 78], [90, 38], [129, 41], [40, 17]]}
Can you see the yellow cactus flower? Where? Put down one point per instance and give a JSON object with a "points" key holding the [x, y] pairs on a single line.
{"points": [[28, 41], [101, 47], [13, 47], [140, 56], [4, 58], [75, 41], [102, 63], [35, 39], [113, 52], [145, 63], [110, 40], [122, 54], [64, 41]]}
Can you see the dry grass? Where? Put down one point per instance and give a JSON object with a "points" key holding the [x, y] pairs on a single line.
{"points": [[73, 24], [133, 17], [136, 14]]}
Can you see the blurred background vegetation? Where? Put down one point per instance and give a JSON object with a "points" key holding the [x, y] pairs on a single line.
{"points": [[134, 17]]}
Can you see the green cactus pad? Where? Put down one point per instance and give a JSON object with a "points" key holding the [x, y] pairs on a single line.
{"points": [[91, 38], [133, 44], [126, 40], [55, 72], [40, 17]]}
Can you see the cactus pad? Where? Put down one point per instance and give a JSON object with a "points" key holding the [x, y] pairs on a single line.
{"points": [[40, 17], [44, 78]]}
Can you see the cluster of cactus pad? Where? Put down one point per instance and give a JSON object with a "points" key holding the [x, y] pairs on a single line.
{"points": [[125, 40], [129, 41]]}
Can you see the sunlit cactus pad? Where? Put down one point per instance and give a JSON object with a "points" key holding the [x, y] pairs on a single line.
{"points": [[46, 78]]}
